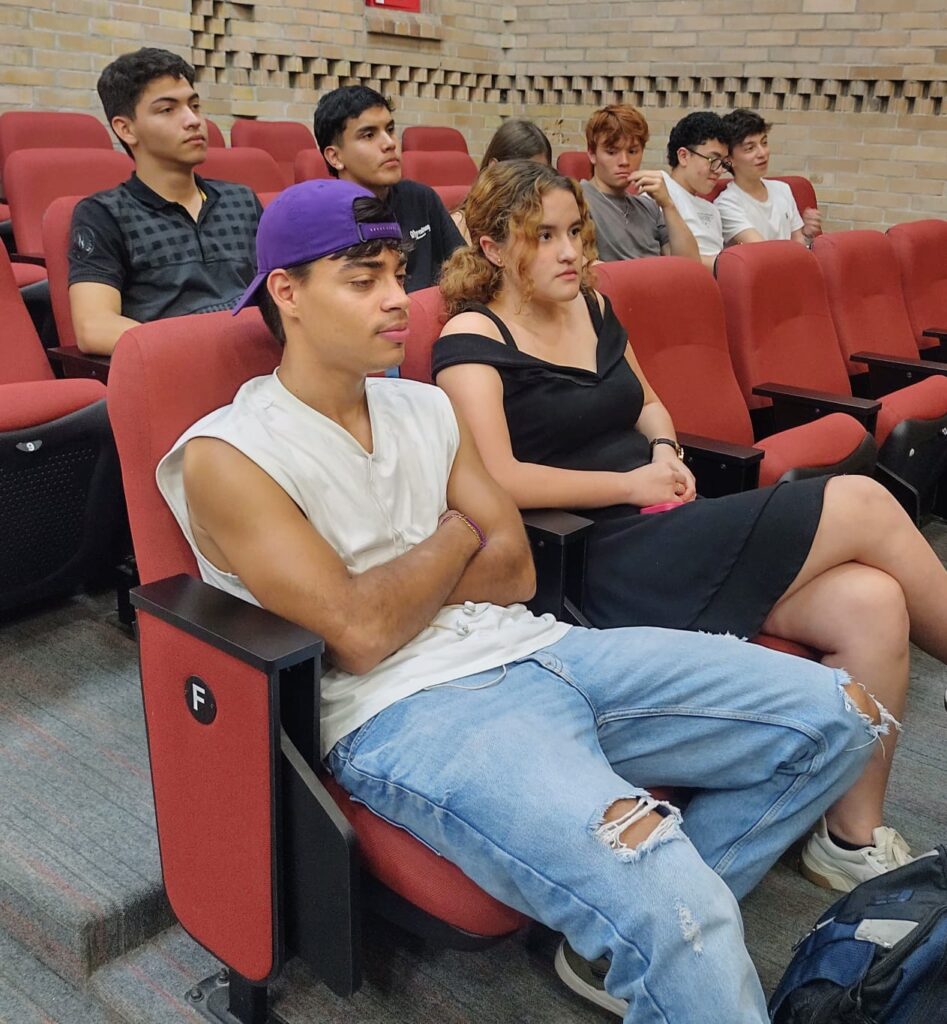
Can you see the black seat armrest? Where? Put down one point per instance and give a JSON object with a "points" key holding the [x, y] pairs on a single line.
{"points": [[889, 373], [720, 467], [76, 363], [245, 631], [555, 526], [795, 406], [558, 541]]}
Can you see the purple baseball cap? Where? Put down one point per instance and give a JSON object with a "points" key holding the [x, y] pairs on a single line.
{"points": [[308, 221]]}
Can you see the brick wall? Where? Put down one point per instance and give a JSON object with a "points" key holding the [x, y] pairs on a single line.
{"points": [[855, 88]]}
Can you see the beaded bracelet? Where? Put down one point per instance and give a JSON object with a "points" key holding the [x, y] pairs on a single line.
{"points": [[452, 513]]}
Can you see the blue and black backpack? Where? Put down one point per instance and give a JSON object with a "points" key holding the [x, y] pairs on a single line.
{"points": [[877, 956]]}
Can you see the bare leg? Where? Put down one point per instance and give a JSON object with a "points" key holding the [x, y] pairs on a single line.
{"points": [[862, 523], [857, 616]]}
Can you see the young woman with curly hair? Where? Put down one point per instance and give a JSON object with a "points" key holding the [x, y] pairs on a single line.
{"points": [[543, 372]]}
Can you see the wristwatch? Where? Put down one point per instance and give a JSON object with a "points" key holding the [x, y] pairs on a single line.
{"points": [[679, 451]]}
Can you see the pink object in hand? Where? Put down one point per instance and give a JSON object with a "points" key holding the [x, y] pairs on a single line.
{"points": [[662, 507]]}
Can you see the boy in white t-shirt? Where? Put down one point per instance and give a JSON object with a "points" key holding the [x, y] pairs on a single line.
{"points": [[697, 153], [752, 208]]}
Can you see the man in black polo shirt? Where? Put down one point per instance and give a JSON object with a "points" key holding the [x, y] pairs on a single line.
{"points": [[356, 133], [166, 242]]}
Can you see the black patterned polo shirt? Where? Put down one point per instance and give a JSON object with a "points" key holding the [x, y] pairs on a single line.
{"points": [[162, 261]]}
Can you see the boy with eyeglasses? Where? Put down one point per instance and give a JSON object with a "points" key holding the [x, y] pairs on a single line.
{"points": [[752, 207], [698, 153]]}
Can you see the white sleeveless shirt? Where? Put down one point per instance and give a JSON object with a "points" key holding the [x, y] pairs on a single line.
{"points": [[370, 508]]}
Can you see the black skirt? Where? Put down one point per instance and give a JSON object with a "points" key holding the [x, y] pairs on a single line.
{"points": [[717, 564]]}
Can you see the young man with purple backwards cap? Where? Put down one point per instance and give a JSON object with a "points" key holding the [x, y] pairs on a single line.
{"points": [[513, 745]]}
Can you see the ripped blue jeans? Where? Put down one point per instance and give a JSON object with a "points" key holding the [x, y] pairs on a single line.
{"points": [[508, 774]]}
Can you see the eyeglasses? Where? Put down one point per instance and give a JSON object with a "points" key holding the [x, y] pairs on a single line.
{"points": [[716, 163]]}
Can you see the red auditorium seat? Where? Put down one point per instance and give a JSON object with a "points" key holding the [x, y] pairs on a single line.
{"points": [[251, 167], [41, 129], [57, 222], [432, 139], [871, 320], [452, 196], [574, 164], [309, 164], [60, 493], [215, 137], [786, 351], [242, 803], [438, 169], [863, 283], [281, 139], [26, 274], [426, 317], [921, 251], [686, 358], [35, 177]]}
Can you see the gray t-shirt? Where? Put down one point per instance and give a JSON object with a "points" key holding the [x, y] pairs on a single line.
{"points": [[627, 227]]}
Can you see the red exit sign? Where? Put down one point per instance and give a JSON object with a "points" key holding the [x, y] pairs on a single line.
{"points": [[396, 5]]}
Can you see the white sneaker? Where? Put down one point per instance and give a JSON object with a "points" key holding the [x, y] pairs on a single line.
{"points": [[828, 865], [587, 978]]}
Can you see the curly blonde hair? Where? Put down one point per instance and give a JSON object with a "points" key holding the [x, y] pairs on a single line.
{"points": [[506, 201]]}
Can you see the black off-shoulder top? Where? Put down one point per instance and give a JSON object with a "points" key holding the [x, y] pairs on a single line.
{"points": [[562, 416]]}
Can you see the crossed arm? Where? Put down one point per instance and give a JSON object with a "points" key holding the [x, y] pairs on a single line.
{"points": [[244, 523]]}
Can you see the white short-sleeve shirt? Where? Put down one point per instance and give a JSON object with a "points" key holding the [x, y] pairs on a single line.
{"points": [[700, 216], [776, 218]]}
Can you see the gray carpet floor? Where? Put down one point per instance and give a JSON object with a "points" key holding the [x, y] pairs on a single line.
{"points": [[80, 879], [80, 895]]}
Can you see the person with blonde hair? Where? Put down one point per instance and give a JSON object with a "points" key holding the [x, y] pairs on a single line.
{"points": [[542, 370], [641, 222]]}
